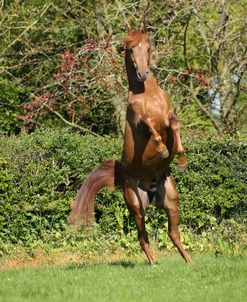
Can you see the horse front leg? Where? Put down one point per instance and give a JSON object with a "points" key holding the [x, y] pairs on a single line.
{"points": [[161, 148], [175, 125], [168, 198], [136, 208]]}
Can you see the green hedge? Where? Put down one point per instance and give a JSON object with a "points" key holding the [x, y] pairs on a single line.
{"points": [[41, 172]]}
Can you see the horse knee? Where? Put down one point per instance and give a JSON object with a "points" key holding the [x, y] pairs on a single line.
{"points": [[143, 239], [171, 204], [136, 211]]}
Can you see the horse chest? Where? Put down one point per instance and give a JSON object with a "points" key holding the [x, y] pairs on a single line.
{"points": [[153, 106]]}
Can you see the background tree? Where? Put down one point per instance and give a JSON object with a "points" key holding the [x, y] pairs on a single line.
{"points": [[63, 62], [220, 88]]}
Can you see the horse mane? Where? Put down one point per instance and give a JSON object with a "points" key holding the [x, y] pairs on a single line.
{"points": [[134, 38]]}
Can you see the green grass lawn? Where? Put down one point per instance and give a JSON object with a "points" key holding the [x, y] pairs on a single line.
{"points": [[210, 279]]}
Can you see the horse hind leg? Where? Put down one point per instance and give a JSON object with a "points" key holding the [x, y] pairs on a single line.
{"points": [[161, 148], [136, 206], [169, 197]]}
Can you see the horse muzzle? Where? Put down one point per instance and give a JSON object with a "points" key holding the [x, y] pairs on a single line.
{"points": [[141, 76]]}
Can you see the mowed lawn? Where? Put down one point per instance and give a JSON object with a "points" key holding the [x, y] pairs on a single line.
{"points": [[210, 279]]}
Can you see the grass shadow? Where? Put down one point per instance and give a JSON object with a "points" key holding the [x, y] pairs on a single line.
{"points": [[73, 266], [122, 263]]}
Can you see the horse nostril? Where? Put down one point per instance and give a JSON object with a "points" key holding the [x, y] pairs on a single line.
{"points": [[141, 77]]}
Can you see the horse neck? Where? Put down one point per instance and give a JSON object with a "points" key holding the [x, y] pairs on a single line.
{"points": [[135, 86]]}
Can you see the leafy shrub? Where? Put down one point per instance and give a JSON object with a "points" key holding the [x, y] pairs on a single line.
{"points": [[213, 188], [40, 174]]}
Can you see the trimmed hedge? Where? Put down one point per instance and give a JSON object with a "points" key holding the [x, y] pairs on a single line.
{"points": [[41, 172], [38, 180]]}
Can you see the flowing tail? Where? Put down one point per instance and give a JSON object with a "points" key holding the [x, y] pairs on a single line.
{"points": [[109, 174]]}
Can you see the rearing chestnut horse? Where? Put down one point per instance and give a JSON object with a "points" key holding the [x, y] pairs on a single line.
{"points": [[151, 141]]}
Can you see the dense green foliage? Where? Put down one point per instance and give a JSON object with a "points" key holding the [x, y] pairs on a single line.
{"points": [[211, 279], [11, 97], [41, 172]]}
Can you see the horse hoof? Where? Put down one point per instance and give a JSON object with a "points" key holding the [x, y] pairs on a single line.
{"points": [[165, 154], [182, 166], [162, 150]]}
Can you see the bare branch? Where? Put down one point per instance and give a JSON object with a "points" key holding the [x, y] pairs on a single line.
{"points": [[194, 92], [46, 7], [185, 38], [83, 129]]}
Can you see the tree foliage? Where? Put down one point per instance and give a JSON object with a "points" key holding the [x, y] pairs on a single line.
{"points": [[65, 58]]}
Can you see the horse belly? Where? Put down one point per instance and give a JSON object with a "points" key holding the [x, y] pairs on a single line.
{"points": [[140, 158]]}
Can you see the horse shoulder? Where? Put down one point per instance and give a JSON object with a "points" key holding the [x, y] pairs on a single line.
{"points": [[137, 106]]}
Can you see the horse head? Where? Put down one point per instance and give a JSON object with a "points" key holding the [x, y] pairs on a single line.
{"points": [[138, 52]]}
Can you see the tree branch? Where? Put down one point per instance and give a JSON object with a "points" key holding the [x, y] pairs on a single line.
{"points": [[193, 92], [26, 29], [185, 38], [73, 124]]}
